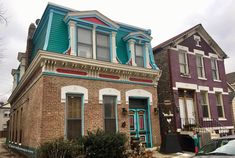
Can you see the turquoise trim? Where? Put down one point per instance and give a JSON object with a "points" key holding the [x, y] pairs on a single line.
{"points": [[83, 116], [91, 78], [150, 125], [144, 56], [84, 27], [66, 108], [151, 58], [116, 113], [36, 37], [68, 40], [128, 53], [110, 48], [76, 40], [48, 31]]}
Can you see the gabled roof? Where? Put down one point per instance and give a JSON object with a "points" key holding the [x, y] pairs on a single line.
{"points": [[199, 29], [139, 35], [92, 14], [231, 77]]}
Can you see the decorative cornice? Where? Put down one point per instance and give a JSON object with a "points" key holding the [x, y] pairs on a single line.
{"points": [[74, 65]]}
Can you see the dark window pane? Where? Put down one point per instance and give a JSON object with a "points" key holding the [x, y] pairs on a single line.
{"points": [[110, 125], [141, 122], [73, 129], [220, 111], [205, 111]]}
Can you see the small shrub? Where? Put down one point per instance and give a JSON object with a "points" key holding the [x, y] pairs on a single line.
{"points": [[60, 148], [104, 145]]}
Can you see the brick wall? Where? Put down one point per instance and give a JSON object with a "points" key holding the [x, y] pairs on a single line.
{"points": [[43, 112]]}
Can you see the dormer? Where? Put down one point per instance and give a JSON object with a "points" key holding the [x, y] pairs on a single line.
{"points": [[139, 48], [92, 35]]}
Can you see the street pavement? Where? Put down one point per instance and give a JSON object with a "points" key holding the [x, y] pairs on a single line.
{"points": [[156, 154], [4, 152]]}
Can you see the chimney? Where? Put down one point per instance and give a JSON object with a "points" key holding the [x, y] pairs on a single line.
{"points": [[29, 47]]}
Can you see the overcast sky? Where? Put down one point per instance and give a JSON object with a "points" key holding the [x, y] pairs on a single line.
{"points": [[166, 18]]}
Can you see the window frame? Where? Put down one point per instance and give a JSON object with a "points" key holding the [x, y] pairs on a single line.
{"points": [[201, 67], [207, 104], [66, 113], [219, 94], [137, 56], [84, 44], [108, 47], [116, 112], [186, 66], [215, 61]]}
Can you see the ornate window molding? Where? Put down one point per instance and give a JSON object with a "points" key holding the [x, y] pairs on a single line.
{"points": [[109, 92], [139, 93], [74, 89]]}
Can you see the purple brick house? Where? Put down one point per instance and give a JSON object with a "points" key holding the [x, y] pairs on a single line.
{"points": [[192, 90]]}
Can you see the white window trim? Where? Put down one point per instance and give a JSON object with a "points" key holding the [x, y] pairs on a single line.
{"points": [[138, 93], [222, 105], [186, 60], [208, 104], [109, 92], [217, 70], [203, 67], [74, 89]]}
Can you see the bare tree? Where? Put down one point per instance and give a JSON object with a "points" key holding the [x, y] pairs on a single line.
{"points": [[3, 21], [3, 18]]}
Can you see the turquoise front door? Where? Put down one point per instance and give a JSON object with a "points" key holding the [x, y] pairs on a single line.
{"points": [[138, 124]]}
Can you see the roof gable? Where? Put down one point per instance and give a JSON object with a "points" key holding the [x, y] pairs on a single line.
{"points": [[138, 35], [92, 16], [182, 36]]}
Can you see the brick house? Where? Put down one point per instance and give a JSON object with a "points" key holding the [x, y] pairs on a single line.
{"points": [[83, 71], [193, 89], [231, 89]]}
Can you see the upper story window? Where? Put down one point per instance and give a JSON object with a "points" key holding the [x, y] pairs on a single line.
{"points": [[219, 104], [183, 61], [102, 47], [84, 43], [200, 66], [139, 56], [214, 69]]}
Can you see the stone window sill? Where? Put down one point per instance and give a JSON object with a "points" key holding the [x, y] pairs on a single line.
{"points": [[222, 119], [202, 78], [185, 75], [217, 80], [207, 119]]}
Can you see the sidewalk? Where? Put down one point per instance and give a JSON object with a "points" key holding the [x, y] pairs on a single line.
{"points": [[156, 154], [4, 153]]}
